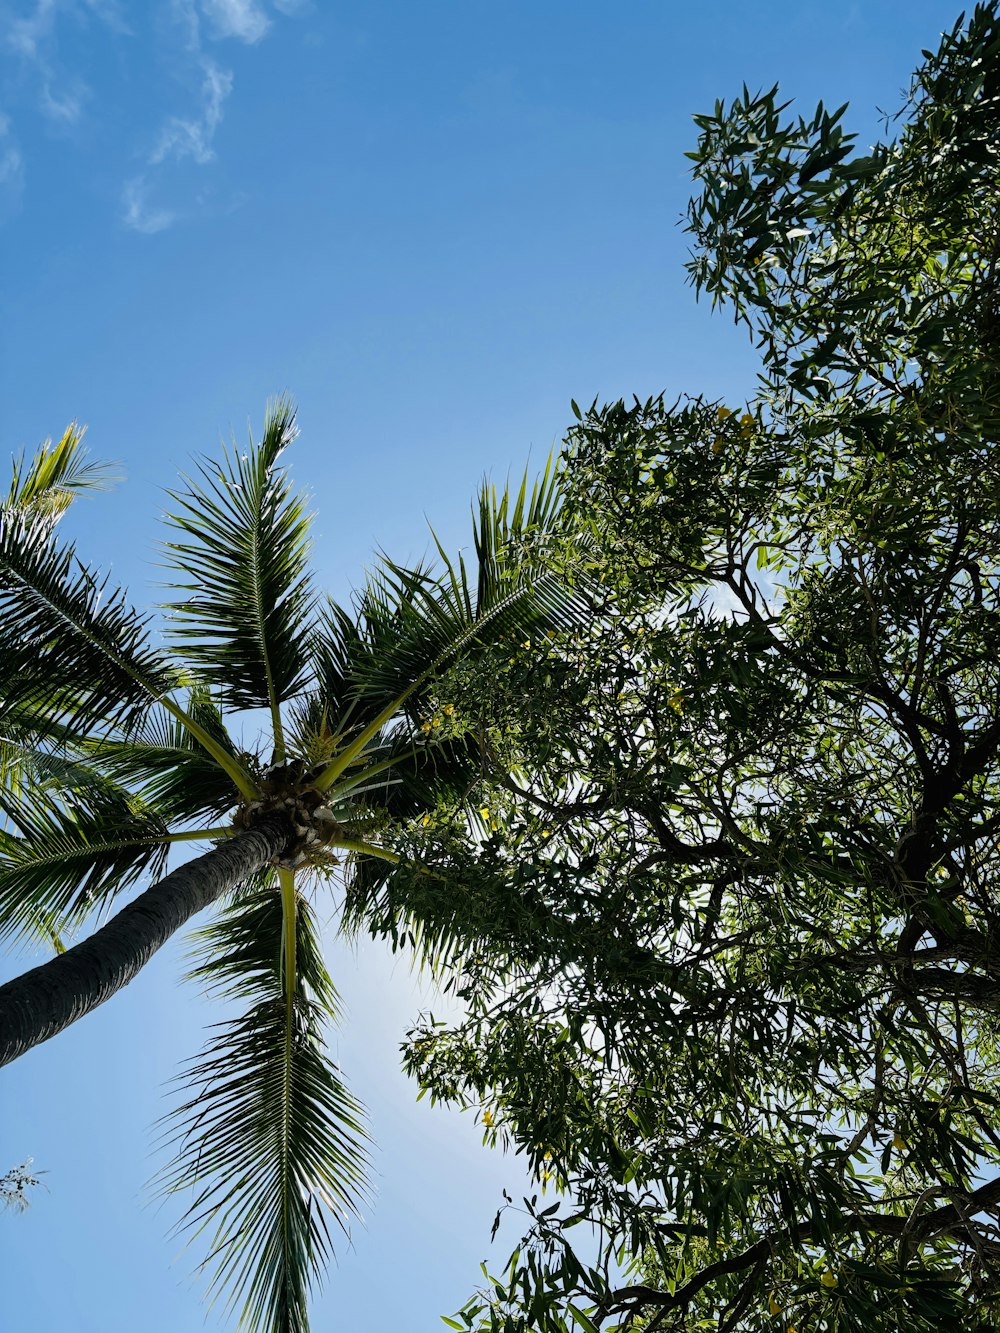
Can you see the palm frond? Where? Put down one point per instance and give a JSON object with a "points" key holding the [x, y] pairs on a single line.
{"points": [[25, 765], [44, 486], [511, 536], [423, 638], [65, 857], [413, 622], [242, 549], [269, 1141], [70, 643], [409, 624], [406, 776], [168, 765], [420, 903]]}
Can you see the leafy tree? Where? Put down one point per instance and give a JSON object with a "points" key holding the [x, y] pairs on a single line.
{"points": [[114, 749], [733, 934]]}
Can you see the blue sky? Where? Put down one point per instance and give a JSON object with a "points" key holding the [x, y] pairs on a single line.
{"points": [[433, 224]]}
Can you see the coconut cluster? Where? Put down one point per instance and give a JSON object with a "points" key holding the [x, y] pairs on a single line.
{"points": [[286, 790]]}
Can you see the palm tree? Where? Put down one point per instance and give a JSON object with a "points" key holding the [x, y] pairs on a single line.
{"points": [[114, 748]]}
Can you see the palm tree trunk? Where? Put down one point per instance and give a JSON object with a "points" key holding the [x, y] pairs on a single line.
{"points": [[42, 1002]]}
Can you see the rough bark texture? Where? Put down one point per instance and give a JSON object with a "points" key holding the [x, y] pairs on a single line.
{"points": [[42, 1002]]}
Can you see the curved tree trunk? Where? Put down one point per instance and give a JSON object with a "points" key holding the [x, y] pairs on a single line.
{"points": [[42, 1002]]}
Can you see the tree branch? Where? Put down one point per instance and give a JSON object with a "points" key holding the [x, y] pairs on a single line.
{"points": [[948, 1217]]}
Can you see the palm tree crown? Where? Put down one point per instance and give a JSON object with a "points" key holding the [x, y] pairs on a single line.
{"points": [[113, 748]]}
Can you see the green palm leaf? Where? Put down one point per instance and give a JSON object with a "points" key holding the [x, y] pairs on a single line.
{"points": [[26, 765], [63, 858], [44, 486], [168, 765], [242, 551], [410, 625], [70, 643], [512, 537], [270, 1143]]}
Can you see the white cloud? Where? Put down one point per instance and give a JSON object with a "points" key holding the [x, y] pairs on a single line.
{"points": [[244, 19], [34, 38], [11, 167], [181, 138], [61, 96], [63, 105], [137, 212], [184, 13], [25, 34], [110, 13], [11, 162]]}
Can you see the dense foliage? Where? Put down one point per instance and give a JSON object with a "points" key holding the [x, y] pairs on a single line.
{"points": [[730, 942]]}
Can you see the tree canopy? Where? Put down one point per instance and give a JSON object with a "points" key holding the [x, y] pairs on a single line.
{"points": [[732, 932]]}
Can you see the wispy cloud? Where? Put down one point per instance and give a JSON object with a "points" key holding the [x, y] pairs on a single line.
{"points": [[11, 163], [25, 34], [64, 106], [138, 214], [110, 12], [183, 141], [180, 137], [60, 96], [244, 19], [192, 138]]}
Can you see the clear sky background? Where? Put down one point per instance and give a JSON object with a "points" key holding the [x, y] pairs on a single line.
{"points": [[434, 224]]}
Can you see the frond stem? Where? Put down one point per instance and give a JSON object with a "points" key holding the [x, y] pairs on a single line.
{"points": [[258, 600], [242, 780], [286, 879], [196, 835], [356, 845], [347, 756], [383, 854], [369, 772]]}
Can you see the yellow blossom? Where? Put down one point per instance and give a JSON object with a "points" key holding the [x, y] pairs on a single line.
{"points": [[427, 819], [772, 1305], [484, 810], [828, 1279], [448, 709], [723, 412], [899, 1142], [717, 445], [425, 727], [487, 1118], [546, 833], [676, 701], [526, 644]]}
